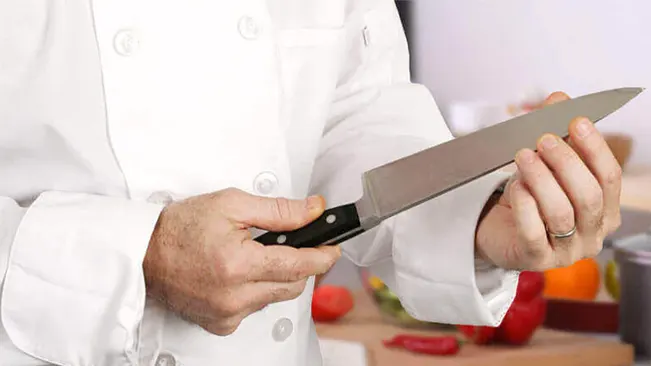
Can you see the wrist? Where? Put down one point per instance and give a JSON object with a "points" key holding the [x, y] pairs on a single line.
{"points": [[153, 255], [490, 205]]}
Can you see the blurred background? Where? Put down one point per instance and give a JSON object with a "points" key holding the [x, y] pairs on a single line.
{"points": [[500, 52], [479, 57], [487, 61]]}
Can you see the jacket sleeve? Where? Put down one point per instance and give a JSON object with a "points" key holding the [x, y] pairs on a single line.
{"points": [[426, 255], [73, 255]]}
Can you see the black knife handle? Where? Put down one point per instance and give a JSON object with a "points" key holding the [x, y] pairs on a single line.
{"points": [[334, 226]]}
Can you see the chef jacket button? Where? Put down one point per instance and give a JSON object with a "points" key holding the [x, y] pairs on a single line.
{"points": [[161, 198], [126, 42], [249, 28], [165, 359], [282, 330], [265, 183]]}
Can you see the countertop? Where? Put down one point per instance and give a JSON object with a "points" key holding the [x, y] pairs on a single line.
{"points": [[636, 195]]}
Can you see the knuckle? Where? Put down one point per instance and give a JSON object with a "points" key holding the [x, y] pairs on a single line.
{"points": [[597, 224], [532, 240], [282, 208], [230, 307], [567, 156], [598, 244], [280, 293], [296, 271], [296, 289], [563, 219], [536, 260], [593, 201], [533, 252], [593, 250], [231, 273], [614, 222], [273, 267], [563, 261], [289, 292], [229, 193], [226, 306], [614, 175]]}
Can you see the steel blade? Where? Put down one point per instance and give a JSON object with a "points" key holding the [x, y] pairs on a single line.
{"points": [[407, 182]]}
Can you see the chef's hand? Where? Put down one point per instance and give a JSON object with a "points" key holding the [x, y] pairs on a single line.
{"points": [[203, 265], [561, 187]]}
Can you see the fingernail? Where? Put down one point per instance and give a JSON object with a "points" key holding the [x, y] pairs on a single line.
{"points": [[549, 142], [314, 203], [584, 128], [525, 156]]}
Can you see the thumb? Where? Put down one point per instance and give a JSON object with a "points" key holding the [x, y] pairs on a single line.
{"points": [[556, 97], [506, 197], [276, 214]]}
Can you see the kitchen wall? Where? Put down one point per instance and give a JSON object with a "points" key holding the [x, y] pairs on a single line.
{"points": [[499, 51]]}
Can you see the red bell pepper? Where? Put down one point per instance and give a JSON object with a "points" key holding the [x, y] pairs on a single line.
{"points": [[526, 314], [521, 321], [530, 285]]}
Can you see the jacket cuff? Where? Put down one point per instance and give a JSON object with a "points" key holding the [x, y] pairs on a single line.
{"points": [[11, 215], [78, 256], [437, 275]]}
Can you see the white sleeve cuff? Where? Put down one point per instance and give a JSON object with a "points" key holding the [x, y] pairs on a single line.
{"points": [[436, 275], [74, 290], [10, 216]]}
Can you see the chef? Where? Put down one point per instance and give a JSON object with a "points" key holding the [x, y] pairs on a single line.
{"points": [[144, 144]]}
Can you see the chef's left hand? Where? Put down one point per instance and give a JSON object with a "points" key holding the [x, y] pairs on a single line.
{"points": [[558, 189]]}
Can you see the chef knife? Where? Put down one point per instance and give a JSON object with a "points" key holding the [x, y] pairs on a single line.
{"points": [[412, 180]]}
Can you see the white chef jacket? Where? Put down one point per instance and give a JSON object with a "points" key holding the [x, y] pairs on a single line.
{"points": [[111, 108]]}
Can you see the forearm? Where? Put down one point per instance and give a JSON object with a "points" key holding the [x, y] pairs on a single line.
{"points": [[427, 254]]}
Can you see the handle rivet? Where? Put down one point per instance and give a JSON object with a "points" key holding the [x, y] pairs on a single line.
{"points": [[281, 239], [331, 218]]}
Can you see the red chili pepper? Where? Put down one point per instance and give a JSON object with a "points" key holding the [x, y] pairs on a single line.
{"points": [[440, 346]]}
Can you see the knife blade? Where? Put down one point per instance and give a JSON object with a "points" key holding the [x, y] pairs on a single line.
{"points": [[404, 183]]}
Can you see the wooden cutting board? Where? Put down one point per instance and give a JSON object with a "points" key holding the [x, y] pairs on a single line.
{"points": [[548, 347]]}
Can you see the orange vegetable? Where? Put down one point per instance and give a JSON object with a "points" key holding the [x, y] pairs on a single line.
{"points": [[580, 281]]}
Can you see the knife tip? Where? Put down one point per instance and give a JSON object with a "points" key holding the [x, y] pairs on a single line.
{"points": [[629, 92], [634, 90]]}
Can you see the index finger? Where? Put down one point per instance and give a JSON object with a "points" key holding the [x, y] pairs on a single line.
{"points": [[281, 263]]}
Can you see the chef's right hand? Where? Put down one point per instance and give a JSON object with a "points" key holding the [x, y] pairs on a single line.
{"points": [[203, 264]]}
